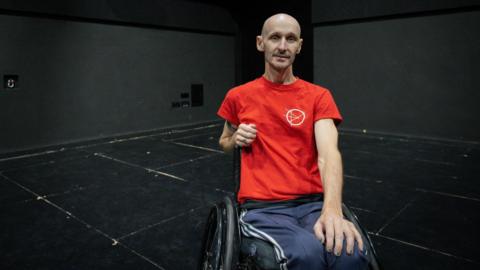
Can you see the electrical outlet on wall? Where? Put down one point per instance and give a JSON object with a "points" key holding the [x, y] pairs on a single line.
{"points": [[10, 81]]}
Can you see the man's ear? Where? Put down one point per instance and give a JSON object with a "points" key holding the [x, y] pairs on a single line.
{"points": [[260, 45], [300, 46]]}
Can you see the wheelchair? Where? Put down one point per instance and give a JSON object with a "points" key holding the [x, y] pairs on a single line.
{"points": [[225, 248]]}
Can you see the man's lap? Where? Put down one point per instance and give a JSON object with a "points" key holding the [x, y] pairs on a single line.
{"points": [[291, 228]]}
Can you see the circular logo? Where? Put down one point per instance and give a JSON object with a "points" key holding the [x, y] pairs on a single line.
{"points": [[295, 117]]}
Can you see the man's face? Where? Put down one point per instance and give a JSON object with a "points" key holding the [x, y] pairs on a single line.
{"points": [[280, 41]]}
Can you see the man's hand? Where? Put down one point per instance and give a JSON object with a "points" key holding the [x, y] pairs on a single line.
{"points": [[245, 135], [331, 228]]}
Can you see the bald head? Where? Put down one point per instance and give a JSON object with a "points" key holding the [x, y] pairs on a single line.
{"points": [[280, 42], [280, 20]]}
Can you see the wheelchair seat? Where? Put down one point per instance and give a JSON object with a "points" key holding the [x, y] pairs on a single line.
{"points": [[259, 253]]}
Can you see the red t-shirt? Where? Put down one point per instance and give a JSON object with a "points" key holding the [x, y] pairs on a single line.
{"points": [[281, 163]]}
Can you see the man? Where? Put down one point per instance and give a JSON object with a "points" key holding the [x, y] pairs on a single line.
{"points": [[291, 174]]}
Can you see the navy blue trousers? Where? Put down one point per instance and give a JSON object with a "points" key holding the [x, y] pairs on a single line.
{"points": [[290, 230]]}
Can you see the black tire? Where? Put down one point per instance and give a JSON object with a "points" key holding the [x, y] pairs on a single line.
{"points": [[210, 258], [232, 235], [373, 261], [220, 246]]}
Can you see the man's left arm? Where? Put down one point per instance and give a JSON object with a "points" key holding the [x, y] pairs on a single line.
{"points": [[331, 228]]}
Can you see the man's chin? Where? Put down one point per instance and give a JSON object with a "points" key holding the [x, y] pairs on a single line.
{"points": [[281, 66]]}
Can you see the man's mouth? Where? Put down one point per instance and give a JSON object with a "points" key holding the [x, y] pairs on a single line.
{"points": [[281, 56]]}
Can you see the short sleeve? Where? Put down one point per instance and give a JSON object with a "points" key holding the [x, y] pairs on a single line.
{"points": [[228, 109], [325, 108]]}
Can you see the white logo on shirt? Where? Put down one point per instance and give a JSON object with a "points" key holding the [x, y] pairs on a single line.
{"points": [[295, 117]]}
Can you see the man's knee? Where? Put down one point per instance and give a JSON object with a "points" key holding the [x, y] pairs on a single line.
{"points": [[357, 261], [305, 252]]}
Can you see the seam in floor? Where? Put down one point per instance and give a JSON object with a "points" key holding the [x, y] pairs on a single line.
{"points": [[426, 248], [378, 181], [159, 223], [187, 161], [397, 215], [138, 166], [447, 194], [33, 154], [191, 136], [198, 147]]}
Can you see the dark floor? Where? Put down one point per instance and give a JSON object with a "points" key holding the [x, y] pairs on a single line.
{"points": [[141, 202]]}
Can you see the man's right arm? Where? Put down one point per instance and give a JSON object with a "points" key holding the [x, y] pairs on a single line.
{"points": [[242, 136], [227, 139]]}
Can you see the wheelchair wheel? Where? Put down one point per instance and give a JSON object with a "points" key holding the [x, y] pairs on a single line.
{"points": [[212, 242], [220, 248], [373, 264]]}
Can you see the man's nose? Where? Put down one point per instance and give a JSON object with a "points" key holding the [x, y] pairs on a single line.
{"points": [[283, 44]]}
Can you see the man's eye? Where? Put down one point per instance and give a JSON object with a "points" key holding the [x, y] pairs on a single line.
{"points": [[291, 39], [274, 37]]}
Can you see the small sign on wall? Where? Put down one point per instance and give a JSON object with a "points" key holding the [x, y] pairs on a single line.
{"points": [[197, 95]]}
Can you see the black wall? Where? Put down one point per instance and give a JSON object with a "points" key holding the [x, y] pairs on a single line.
{"points": [[193, 15], [406, 73], [347, 10], [108, 73], [92, 69]]}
